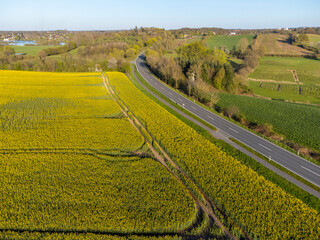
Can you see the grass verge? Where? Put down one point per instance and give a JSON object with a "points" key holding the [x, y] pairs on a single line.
{"points": [[276, 165], [152, 89], [287, 186], [278, 143]]}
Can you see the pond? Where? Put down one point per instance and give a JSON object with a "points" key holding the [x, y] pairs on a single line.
{"points": [[21, 43]]}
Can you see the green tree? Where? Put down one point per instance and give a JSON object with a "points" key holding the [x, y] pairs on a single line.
{"points": [[207, 72], [218, 78], [303, 39], [150, 41], [190, 54], [130, 53], [7, 50], [228, 80], [217, 57]]}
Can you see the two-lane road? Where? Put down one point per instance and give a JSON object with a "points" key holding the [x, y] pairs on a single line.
{"points": [[292, 162]]}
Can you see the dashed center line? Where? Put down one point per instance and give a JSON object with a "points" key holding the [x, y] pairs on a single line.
{"points": [[310, 171], [186, 104], [265, 147], [233, 130]]}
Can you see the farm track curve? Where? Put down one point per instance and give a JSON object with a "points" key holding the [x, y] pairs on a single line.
{"points": [[164, 159]]}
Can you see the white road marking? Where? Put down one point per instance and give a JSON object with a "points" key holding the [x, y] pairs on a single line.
{"points": [[281, 149], [170, 93], [265, 147], [193, 107], [233, 130], [310, 171]]}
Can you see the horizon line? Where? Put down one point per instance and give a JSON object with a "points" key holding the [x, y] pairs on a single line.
{"points": [[167, 29]]}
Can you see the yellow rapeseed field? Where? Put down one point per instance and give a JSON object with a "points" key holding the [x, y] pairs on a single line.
{"points": [[260, 207], [69, 168]]}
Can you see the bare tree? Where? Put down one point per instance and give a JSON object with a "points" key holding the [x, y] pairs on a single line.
{"points": [[42, 55], [176, 72], [242, 45]]}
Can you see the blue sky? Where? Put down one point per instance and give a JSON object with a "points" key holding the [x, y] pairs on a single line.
{"points": [[168, 14]]}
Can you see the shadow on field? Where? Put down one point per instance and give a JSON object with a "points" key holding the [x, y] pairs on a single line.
{"points": [[115, 233]]}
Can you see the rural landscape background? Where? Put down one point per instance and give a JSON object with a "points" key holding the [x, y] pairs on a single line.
{"points": [[164, 120]]}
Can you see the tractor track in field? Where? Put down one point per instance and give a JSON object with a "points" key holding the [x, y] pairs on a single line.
{"points": [[100, 154], [206, 205], [274, 81]]}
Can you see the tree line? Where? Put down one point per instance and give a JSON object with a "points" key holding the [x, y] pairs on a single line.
{"points": [[196, 70], [85, 51]]}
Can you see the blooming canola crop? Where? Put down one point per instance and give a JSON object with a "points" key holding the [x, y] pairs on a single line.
{"points": [[69, 164], [260, 207]]}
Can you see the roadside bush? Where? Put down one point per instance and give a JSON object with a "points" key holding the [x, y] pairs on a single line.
{"points": [[231, 111]]}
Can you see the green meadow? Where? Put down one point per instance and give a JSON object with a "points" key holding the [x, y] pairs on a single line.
{"points": [[278, 68], [314, 39], [30, 50], [298, 122], [228, 41], [289, 92]]}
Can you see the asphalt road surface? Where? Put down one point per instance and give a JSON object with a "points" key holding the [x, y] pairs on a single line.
{"points": [[292, 162]]}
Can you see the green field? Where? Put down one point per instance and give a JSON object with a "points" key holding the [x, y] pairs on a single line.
{"points": [[298, 122], [30, 50], [289, 92], [71, 162], [179, 42], [314, 39], [277, 68], [228, 41], [73, 52], [274, 78]]}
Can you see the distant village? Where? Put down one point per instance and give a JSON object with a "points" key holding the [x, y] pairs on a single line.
{"points": [[46, 37]]}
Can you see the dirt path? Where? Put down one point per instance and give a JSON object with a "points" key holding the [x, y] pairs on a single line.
{"points": [[207, 206], [273, 81], [295, 75]]}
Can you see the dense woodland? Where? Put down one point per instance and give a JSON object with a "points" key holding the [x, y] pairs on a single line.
{"points": [[197, 70]]}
